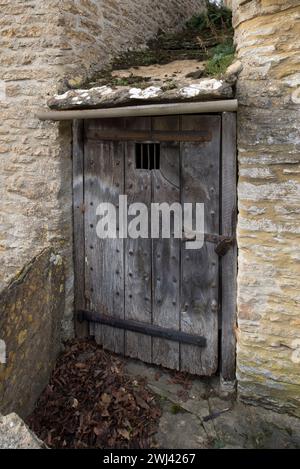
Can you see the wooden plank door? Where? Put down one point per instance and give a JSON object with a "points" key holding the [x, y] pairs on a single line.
{"points": [[137, 252], [104, 266], [166, 252], [200, 182], [155, 282]]}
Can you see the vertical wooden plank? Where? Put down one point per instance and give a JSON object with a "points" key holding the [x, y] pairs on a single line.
{"points": [[138, 298], [166, 252], [104, 182], [200, 268], [81, 328], [229, 261]]}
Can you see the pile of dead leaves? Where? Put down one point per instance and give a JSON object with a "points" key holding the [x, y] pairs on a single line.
{"points": [[91, 403]]}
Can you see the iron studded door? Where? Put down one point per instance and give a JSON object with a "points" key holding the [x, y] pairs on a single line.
{"points": [[158, 301]]}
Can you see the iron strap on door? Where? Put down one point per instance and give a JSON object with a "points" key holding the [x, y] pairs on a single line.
{"points": [[143, 328]]}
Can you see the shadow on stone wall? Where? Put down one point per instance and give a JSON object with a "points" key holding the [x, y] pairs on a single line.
{"points": [[31, 308]]}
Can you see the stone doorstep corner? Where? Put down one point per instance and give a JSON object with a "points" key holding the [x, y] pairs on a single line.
{"points": [[14, 434]]}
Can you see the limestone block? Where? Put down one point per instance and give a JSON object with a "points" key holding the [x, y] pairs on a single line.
{"points": [[14, 434], [31, 309]]}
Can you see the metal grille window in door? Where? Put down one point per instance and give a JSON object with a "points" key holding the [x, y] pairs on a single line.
{"points": [[153, 299], [147, 155]]}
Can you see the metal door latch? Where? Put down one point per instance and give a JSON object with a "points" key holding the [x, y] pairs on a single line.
{"points": [[224, 245]]}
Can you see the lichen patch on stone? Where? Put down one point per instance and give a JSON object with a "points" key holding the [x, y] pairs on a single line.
{"points": [[187, 89], [150, 92]]}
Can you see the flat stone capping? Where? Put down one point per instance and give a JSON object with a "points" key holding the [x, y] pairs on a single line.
{"points": [[106, 96]]}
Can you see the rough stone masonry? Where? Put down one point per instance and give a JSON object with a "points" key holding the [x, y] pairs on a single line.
{"points": [[42, 45], [267, 34]]}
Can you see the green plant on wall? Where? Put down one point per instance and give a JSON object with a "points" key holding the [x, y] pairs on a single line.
{"points": [[217, 19], [221, 57], [216, 23]]}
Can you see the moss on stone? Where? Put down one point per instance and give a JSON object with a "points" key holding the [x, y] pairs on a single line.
{"points": [[176, 409]]}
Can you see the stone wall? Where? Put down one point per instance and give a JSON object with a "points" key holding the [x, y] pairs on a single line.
{"points": [[42, 45], [268, 43], [95, 31], [31, 309], [35, 164]]}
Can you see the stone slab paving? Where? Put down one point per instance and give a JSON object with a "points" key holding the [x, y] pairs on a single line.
{"points": [[14, 434], [207, 417]]}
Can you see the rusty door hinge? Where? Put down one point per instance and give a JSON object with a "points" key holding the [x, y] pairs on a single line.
{"points": [[224, 245]]}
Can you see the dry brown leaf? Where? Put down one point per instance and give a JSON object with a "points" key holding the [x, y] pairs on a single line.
{"points": [[124, 433], [102, 405], [97, 431], [75, 403], [106, 398]]}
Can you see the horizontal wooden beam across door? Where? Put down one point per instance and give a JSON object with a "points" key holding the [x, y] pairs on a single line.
{"points": [[155, 135], [229, 105]]}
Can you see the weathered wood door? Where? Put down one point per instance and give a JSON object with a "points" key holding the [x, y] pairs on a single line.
{"points": [[157, 283]]}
